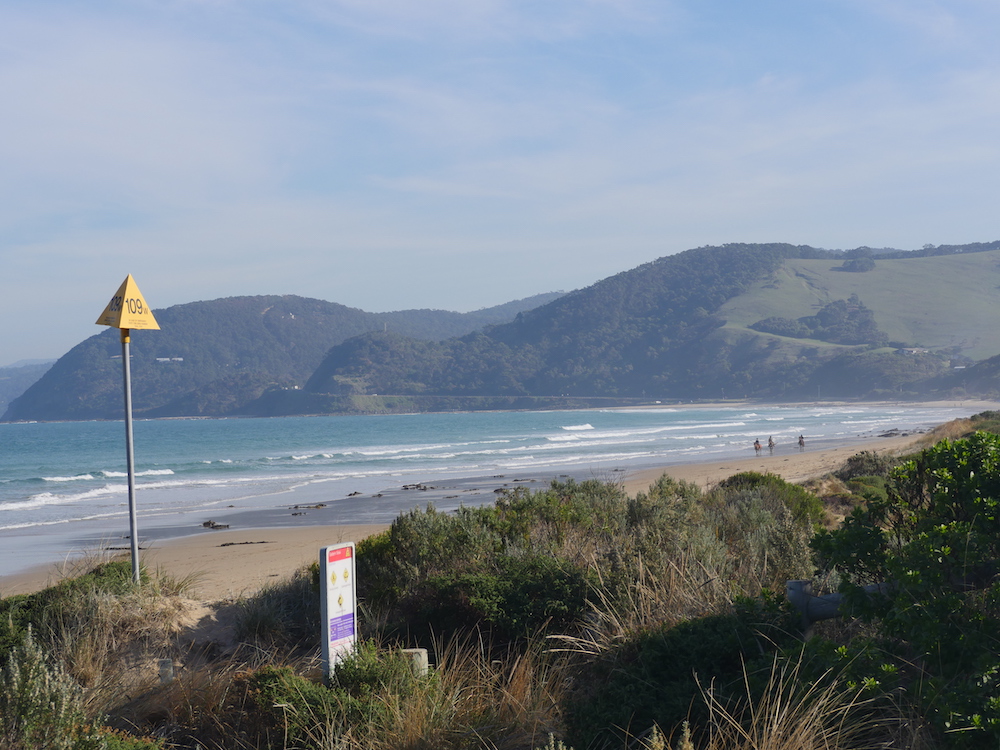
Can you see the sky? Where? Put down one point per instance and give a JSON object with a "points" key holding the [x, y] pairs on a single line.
{"points": [[458, 154]]}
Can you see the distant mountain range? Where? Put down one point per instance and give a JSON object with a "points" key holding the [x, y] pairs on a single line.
{"points": [[771, 321]]}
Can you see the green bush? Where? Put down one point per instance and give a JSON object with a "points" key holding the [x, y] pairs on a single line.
{"points": [[934, 540], [763, 542], [654, 678], [44, 608], [40, 705], [866, 463], [869, 487], [514, 598], [803, 504], [301, 712], [293, 706], [987, 421], [531, 560], [509, 567]]}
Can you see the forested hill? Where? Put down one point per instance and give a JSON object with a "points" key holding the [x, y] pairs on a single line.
{"points": [[774, 321], [211, 358], [613, 338]]}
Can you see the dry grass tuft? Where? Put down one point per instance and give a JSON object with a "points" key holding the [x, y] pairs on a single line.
{"points": [[685, 590], [795, 714], [956, 428], [473, 698]]}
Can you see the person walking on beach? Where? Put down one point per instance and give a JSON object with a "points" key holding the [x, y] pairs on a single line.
{"points": [[756, 447], [802, 442], [770, 443]]}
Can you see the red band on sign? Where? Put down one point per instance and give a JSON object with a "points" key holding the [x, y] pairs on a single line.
{"points": [[338, 554]]}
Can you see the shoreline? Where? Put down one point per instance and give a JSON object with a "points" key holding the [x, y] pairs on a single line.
{"points": [[270, 544], [975, 403]]}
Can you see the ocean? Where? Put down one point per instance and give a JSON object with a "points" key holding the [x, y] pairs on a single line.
{"points": [[63, 484]]}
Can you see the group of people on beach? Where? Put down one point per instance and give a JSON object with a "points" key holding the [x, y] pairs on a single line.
{"points": [[770, 444]]}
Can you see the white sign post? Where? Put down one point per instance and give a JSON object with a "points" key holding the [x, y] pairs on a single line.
{"points": [[338, 603]]}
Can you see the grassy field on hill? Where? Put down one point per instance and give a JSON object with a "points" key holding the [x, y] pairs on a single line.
{"points": [[934, 302]]}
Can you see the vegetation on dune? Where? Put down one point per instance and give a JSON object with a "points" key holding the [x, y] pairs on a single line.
{"points": [[69, 656], [573, 617], [934, 540]]}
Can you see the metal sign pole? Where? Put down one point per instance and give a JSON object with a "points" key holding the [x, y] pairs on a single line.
{"points": [[130, 455], [128, 310]]}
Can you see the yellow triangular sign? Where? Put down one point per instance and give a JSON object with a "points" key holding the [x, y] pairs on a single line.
{"points": [[127, 309]]}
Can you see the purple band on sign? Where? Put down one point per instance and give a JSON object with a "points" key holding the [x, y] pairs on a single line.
{"points": [[341, 627]]}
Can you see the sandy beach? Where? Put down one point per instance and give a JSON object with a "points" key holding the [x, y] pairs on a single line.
{"points": [[793, 467], [228, 563]]}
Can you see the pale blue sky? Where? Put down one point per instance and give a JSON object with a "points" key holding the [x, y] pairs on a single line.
{"points": [[457, 154]]}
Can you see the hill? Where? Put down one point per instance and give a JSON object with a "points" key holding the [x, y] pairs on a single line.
{"points": [[938, 303], [772, 321], [15, 379], [210, 358]]}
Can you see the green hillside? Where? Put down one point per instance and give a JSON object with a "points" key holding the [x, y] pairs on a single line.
{"points": [[211, 358], [769, 321], [930, 302]]}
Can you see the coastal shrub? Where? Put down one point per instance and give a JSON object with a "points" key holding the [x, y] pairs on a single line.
{"points": [[549, 515], [43, 609], [653, 678], [986, 421], [513, 598], [284, 613], [867, 463], [40, 705], [361, 687], [534, 558], [292, 705], [935, 541], [765, 545], [501, 558], [804, 505], [869, 486], [418, 543]]}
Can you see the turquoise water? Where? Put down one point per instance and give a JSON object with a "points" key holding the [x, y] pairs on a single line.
{"points": [[58, 478]]}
